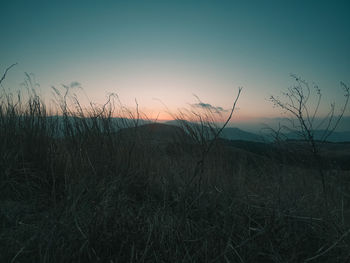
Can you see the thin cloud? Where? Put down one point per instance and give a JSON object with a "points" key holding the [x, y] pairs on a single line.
{"points": [[208, 106], [75, 84]]}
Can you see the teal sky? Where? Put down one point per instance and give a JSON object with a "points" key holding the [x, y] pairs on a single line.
{"points": [[170, 50]]}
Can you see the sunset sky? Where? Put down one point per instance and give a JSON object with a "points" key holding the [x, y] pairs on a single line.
{"points": [[170, 50]]}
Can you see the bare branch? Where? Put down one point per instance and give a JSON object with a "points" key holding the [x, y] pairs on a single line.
{"points": [[225, 124], [4, 76]]}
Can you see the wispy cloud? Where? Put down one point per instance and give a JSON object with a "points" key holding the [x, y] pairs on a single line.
{"points": [[75, 84], [208, 106]]}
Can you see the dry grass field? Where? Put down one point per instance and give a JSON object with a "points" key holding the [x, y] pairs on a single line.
{"points": [[110, 190]]}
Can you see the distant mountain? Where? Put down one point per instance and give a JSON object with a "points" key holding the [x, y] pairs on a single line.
{"points": [[179, 122], [255, 125], [126, 121], [238, 134], [116, 123], [340, 136], [229, 133], [343, 136]]}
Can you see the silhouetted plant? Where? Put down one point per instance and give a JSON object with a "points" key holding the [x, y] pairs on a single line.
{"points": [[203, 129], [304, 120]]}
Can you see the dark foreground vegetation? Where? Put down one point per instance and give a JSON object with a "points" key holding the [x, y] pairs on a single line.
{"points": [[86, 187]]}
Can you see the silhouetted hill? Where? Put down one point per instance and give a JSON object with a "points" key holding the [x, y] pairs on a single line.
{"points": [[74, 122], [228, 133], [176, 122], [155, 132], [336, 136], [238, 134]]}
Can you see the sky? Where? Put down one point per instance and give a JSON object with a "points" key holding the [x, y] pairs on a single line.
{"points": [[165, 52]]}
